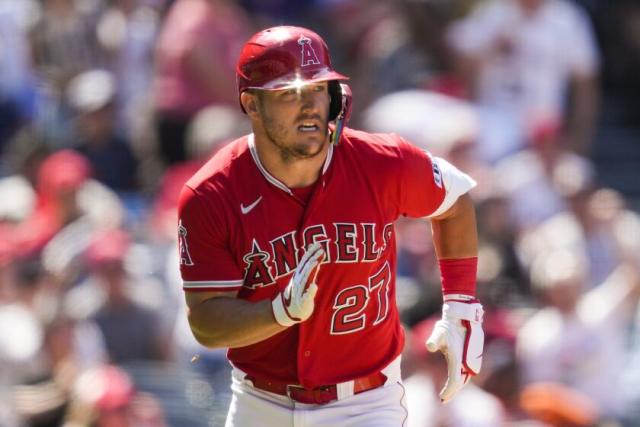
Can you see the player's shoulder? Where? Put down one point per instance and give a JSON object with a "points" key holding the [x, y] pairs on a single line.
{"points": [[374, 144], [218, 168]]}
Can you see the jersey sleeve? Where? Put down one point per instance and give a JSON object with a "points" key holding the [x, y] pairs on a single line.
{"points": [[430, 185], [206, 264]]}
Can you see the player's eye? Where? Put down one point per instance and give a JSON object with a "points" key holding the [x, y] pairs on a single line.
{"points": [[288, 94]]}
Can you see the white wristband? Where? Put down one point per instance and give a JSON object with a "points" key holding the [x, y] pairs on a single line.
{"points": [[280, 312]]}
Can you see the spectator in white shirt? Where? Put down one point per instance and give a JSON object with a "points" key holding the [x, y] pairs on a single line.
{"points": [[520, 58]]}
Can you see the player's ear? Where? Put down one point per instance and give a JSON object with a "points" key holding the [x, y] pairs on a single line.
{"points": [[249, 101]]}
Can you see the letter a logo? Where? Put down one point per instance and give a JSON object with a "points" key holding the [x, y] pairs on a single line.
{"points": [[309, 56], [185, 256]]}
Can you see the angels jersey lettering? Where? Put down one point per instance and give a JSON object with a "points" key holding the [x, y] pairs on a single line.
{"points": [[237, 244]]}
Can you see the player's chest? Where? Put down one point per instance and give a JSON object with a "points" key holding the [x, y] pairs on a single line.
{"points": [[274, 228]]}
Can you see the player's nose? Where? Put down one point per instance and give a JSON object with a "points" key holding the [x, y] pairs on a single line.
{"points": [[310, 99]]}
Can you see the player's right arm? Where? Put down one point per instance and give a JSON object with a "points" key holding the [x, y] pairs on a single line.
{"points": [[219, 319], [212, 279]]}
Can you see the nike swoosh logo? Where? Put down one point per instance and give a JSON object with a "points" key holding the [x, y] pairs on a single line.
{"points": [[246, 209]]}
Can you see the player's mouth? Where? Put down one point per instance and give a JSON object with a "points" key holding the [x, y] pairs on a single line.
{"points": [[308, 127]]}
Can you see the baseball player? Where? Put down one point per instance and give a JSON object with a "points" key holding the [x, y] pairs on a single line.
{"points": [[288, 254]]}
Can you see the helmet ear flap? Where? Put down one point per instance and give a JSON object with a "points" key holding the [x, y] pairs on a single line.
{"points": [[335, 92], [339, 108], [340, 105]]}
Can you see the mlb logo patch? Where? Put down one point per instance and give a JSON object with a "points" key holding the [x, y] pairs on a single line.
{"points": [[437, 175]]}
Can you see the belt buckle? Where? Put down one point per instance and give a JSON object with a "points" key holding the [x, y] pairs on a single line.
{"points": [[318, 396], [290, 387]]}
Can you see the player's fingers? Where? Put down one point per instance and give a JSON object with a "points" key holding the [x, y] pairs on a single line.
{"points": [[301, 285], [309, 253], [310, 293], [454, 381], [454, 372], [312, 263], [437, 340], [314, 272], [449, 390]]}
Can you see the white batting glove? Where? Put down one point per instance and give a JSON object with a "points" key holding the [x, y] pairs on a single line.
{"points": [[459, 336], [295, 303]]}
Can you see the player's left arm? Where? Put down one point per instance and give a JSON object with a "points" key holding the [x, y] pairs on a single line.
{"points": [[458, 335], [439, 191], [455, 234]]}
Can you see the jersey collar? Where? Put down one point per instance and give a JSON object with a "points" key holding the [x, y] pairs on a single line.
{"points": [[254, 154]]}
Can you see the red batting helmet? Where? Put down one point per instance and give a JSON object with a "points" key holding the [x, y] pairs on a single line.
{"points": [[284, 57]]}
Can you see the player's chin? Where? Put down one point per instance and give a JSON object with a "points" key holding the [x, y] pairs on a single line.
{"points": [[311, 142], [309, 148]]}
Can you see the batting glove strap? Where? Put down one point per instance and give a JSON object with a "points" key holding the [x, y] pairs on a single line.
{"points": [[454, 310], [281, 313]]}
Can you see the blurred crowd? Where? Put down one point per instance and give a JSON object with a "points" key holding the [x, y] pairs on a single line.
{"points": [[108, 106]]}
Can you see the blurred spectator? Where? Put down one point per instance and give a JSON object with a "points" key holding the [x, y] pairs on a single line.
{"points": [[520, 59], [25, 153], [107, 397], [578, 339], [390, 46], [16, 77], [19, 196], [558, 405], [92, 96], [68, 203], [208, 131], [553, 201], [59, 178], [131, 331], [630, 390], [437, 123], [195, 66], [617, 23], [537, 180], [63, 41], [127, 31], [46, 350], [267, 13]]}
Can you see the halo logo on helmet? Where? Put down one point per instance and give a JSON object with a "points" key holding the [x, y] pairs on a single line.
{"points": [[309, 56]]}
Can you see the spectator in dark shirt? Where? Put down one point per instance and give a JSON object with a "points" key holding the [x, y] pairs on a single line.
{"points": [[91, 95]]}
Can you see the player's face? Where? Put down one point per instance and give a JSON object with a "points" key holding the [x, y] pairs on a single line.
{"points": [[296, 120]]}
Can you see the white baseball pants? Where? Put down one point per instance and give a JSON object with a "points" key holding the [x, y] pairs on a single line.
{"points": [[380, 407]]}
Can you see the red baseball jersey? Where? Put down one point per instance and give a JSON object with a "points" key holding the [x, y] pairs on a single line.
{"points": [[242, 229]]}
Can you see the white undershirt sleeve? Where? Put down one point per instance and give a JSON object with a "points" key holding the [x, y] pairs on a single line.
{"points": [[456, 183]]}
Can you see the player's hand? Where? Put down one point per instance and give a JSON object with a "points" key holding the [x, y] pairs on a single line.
{"points": [[459, 336], [295, 303]]}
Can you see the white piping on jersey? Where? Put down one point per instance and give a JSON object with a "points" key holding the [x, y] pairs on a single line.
{"points": [[254, 154], [327, 161], [211, 284]]}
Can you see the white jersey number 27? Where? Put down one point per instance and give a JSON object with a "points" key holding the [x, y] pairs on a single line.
{"points": [[350, 303]]}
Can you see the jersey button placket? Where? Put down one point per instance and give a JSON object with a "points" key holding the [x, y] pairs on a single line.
{"points": [[307, 353]]}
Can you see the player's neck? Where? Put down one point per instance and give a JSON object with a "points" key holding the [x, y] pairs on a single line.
{"points": [[293, 172]]}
